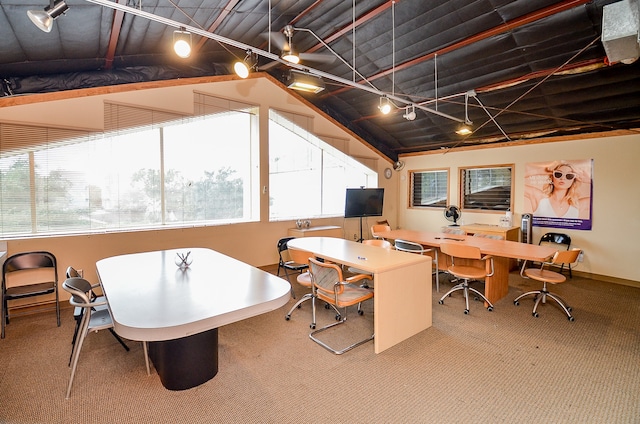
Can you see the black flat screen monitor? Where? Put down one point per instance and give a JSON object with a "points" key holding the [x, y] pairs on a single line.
{"points": [[361, 202]]}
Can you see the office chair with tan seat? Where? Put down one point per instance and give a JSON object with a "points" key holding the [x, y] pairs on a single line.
{"points": [[329, 285], [409, 246], [304, 279], [466, 271], [25, 275], [379, 228], [546, 276], [557, 240]]}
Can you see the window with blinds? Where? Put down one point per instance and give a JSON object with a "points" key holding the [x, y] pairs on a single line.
{"points": [[151, 169], [308, 177], [487, 188], [429, 188]]}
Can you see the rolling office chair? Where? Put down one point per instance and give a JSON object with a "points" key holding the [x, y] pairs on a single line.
{"points": [[30, 266], [409, 246], [557, 239], [467, 272], [78, 312], [545, 276], [286, 263], [329, 285]]}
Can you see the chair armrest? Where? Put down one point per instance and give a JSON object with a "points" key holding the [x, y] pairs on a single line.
{"points": [[356, 278]]}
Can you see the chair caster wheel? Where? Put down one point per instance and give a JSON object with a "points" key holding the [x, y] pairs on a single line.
{"points": [[287, 317], [360, 312], [535, 314], [490, 308], [571, 319], [312, 326], [569, 309], [516, 303], [466, 312], [441, 302], [326, 306], [338, 317]]}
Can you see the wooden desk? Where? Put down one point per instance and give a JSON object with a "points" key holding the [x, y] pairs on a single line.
{"points": [[320, 231], [179, 311], [402, 284], [497, 286]]}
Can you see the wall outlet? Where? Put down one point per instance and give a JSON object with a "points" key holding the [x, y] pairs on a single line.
{"points": [[355, 237], [581, 256]]}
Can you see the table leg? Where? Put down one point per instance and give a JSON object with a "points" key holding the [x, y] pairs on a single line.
{"points": [[186, 362]]}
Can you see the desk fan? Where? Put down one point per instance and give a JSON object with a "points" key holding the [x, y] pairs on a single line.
{"points": [[452, 213]]}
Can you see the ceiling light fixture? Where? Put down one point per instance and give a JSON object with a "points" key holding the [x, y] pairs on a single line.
{"points": [[465, 128], [410, 113], [385, 105], [242, 68], [182, 43], [288, 53], [304, 82], [43, 19]]}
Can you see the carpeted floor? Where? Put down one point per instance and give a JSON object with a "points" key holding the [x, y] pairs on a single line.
{"points": [[493, 367]]}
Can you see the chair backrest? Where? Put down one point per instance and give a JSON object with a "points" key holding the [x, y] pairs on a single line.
{"points": [[80, 289], [556, 238], [324, 277], [565, 256], [409, 246], [71, 272], [282, 243], [385, 244], [30, 261], [460, 250], [377, 228]]}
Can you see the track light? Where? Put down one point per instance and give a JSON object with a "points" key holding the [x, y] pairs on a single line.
{"points": [[465, 128], [410, 113], [43, 19], [304, 82], [243, 67], [182, 43], [385, 105]]}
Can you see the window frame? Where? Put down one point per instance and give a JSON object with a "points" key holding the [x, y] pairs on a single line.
{"points": [[495, 208], [411, 188]]}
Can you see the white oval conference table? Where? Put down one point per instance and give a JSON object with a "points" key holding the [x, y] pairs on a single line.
{"points": [[178, 311]]}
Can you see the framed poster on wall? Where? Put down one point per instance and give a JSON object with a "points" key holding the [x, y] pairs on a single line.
{"points": [[559, 194]]}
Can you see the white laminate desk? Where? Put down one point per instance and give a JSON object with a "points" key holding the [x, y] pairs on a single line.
{"points": [[179, 311], [402, 284]]}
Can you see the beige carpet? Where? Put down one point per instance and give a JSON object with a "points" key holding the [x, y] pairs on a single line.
{"points": [[492, 367]]}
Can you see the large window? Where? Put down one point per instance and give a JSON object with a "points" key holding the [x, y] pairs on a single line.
{"points": [[308, 177], [487, 188], [194, 170], [429, 188]]}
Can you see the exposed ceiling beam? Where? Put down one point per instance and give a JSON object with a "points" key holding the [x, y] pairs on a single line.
{"points": [[116, 26]]}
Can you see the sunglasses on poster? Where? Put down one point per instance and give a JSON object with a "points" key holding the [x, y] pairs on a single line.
{"points": [[569, 176]]}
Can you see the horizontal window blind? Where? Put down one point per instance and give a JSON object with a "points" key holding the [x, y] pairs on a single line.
{"points": [[487, 188], [429, 188]]}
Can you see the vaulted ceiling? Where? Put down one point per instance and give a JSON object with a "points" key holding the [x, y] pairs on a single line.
{"points": [[517, 69]]}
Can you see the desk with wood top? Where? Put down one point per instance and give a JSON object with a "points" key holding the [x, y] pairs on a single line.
{"points": [[496, 286], [402, 284]]}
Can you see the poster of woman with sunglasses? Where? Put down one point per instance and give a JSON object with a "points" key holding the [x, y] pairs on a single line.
{"points": [[558, 194]]}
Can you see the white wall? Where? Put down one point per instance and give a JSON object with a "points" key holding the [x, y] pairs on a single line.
{"points": [[611, 247]]}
